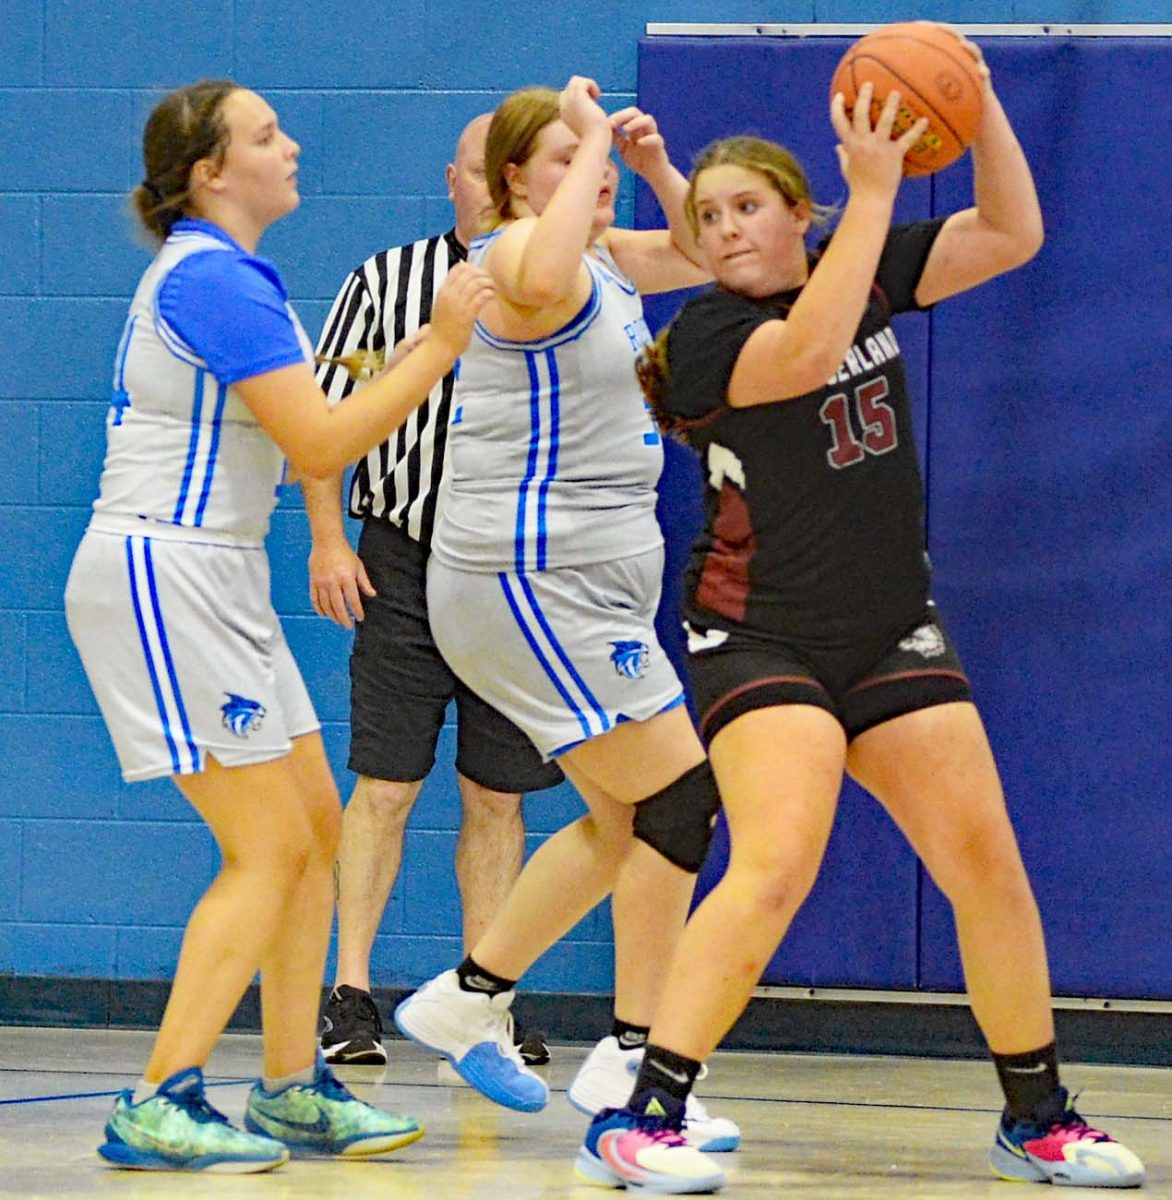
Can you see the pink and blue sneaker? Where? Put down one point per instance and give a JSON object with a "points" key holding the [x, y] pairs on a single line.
{"points": [[1065, 1151], [643, 1152]]}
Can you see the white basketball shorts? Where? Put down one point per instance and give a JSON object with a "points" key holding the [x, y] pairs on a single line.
{"points": [[566, 654], [184, 653]]}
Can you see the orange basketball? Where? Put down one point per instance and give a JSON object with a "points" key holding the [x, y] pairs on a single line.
{"points": [[935, 76]]}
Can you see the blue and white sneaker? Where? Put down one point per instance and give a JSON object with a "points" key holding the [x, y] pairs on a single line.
{"points": [[644, 1153], [178, 1130], [474, 1032], [324, 1118], [1065, 1151], [605, 1080]]}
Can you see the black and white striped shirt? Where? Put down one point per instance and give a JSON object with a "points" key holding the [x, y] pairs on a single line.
{"points": [[383, 301]]}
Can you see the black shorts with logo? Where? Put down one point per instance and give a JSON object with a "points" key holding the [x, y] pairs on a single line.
{"points": [[400, 686], [731, 675]]}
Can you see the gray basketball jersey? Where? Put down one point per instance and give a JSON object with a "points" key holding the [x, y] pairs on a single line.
{"points": [[554, 456]]}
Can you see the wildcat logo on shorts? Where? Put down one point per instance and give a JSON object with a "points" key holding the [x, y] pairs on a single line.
{"points": [[630, 658], [241, 715], [927, 641]]}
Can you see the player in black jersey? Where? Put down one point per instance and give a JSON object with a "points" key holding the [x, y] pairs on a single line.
{"points": [[814, 648]]}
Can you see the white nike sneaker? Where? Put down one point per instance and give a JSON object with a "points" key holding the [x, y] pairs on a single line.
{"points": [[474, 1032], [606, 1078], [716, 1135]]}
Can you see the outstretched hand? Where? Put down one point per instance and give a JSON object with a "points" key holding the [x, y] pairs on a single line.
{"points": [[870, 158], [638, 140], [465, 291]]}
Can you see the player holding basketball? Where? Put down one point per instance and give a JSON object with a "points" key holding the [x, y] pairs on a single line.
{"points": [[168, 604], [545, 574], [814, 647]]}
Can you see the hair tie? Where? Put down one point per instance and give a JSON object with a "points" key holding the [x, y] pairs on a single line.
{"points": [[152, 191]]}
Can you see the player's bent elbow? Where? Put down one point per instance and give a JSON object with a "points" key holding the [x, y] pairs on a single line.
{"points": [[540, 293], [1016, 244], [312, 470], [1019, 249], [1033, 242], [773, 386], [314, 458], [540, 284], [811, 370]]}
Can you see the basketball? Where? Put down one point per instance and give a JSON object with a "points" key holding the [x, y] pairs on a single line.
{"points": [[935, 76]]}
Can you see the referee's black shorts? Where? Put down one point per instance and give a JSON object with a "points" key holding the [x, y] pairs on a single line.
{"points": [[917, 667], [400, 686]]}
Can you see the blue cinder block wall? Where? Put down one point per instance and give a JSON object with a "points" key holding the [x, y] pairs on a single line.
{"points": [[97, 878]]}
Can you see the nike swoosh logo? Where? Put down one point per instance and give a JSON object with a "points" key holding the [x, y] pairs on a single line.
{"points": [[321, 1125], [143, 1137], [1006, 1144], [1026, 1070], [708, 640], [678, 1076]]}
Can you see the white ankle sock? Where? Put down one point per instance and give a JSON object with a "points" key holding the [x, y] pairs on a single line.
{"points": [[144, 1091]]}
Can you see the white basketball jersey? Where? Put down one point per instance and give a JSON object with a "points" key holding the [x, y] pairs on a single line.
{"points": [[554, 456], [184, 456]]}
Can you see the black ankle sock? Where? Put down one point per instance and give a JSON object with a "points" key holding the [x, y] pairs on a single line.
{"points": [[663, 1071], [665, 1111], [474, 978], [1030, 1083], [628, 1036]]}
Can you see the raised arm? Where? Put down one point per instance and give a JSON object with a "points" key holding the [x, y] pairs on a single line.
{"points": [[1004, 228], [657, 260], [537, 262], [783, 359], [320, 441]]}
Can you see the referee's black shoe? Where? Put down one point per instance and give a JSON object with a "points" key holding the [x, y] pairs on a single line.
{"points": [[533, 1047], [352, 1029]]}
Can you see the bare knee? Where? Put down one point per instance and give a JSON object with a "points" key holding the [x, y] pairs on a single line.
{"points": [[383, 803], [282, 856], [484, 806], [980, 865], [612, 837], [772, 886], [325, 825]]}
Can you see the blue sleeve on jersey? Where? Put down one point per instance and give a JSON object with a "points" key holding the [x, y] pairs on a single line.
{"points": [[231, 311]]}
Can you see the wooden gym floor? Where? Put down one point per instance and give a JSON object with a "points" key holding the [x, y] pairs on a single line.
{"points": [[815, 1127]]}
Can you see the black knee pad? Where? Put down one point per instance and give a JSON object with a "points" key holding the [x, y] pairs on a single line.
{"points": [[677, 821]]}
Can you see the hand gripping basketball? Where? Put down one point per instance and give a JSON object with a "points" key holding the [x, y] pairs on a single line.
{"points": [[938, 74]]}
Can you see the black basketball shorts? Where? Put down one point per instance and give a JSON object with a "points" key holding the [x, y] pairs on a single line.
{"points": [[732, 673]]}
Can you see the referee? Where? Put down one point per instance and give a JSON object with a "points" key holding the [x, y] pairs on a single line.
{"points": [[399, 684]]}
